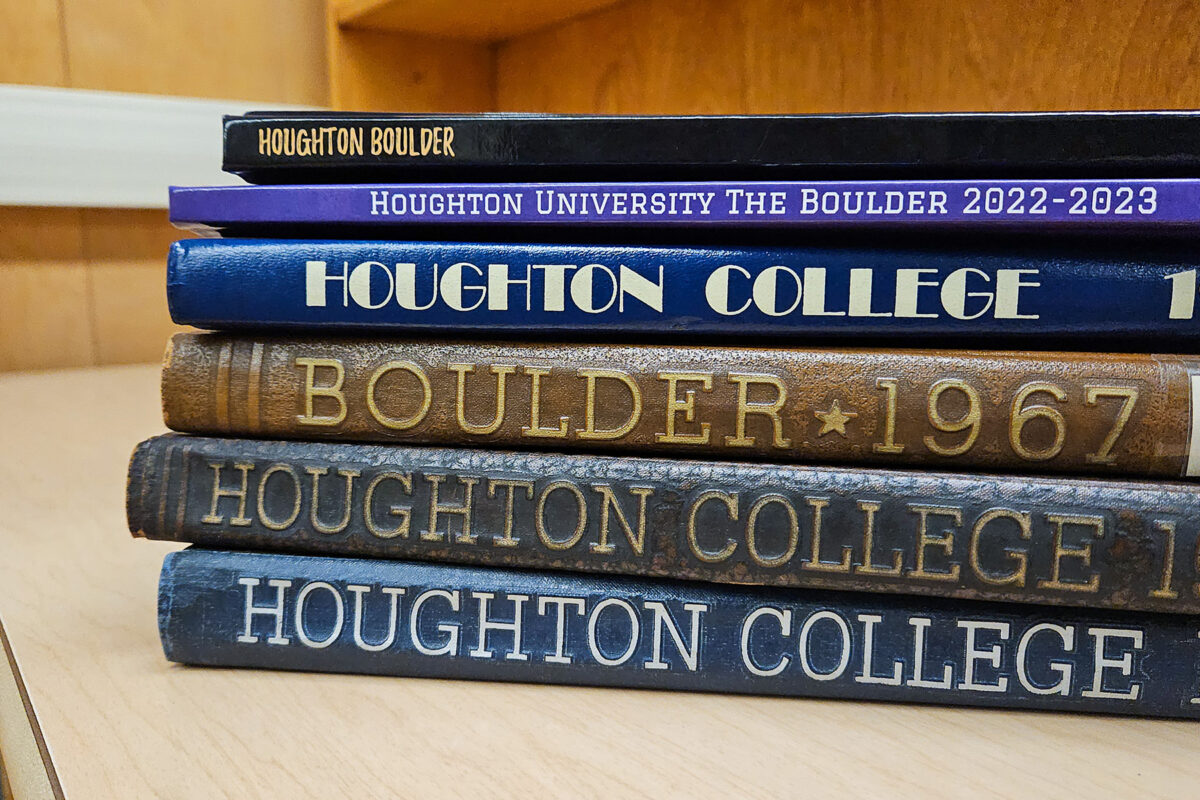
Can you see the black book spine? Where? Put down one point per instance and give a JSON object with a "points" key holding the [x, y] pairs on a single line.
{"points": [[290, 148]]}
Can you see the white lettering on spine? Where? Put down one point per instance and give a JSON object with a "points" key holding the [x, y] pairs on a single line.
{"points": [[920, 625], [634, 631], [339, 615], [314, 284], [1063, 668], [869, 622], [974, 655], [487, 624], [450, 646], [844, 646], [394, 612], [690, 651], [276, 611], [559, 655], [785, 625], [1103, 662]]}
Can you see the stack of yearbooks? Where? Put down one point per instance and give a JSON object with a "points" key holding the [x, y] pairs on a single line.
{"points": [[840, 406]]}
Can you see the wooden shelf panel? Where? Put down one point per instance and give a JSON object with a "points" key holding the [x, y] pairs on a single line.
{"points": [[477, 20]]}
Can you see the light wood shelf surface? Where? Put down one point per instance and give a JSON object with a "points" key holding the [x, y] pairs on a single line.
{"points": [[77, 598]]}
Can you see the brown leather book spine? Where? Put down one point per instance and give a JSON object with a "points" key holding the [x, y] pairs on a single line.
{"points": [[950, 410]]}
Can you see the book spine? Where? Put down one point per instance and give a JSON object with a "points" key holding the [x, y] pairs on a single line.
{"points": [[1033, 540], [375, 147], [542, 289], [1034, 412], [423, 620], [1058, 204]]}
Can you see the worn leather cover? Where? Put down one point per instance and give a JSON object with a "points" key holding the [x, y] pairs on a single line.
{"points": [[307, 146], [645, 211], [1111, 544], [1123, 414], [381, 617], [1019, 295]]}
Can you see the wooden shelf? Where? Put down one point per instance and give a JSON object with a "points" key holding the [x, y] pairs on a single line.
{"points": [[77, 599], [760, 56], [476, 20]]}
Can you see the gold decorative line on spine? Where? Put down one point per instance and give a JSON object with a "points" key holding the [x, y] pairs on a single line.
{"points": [[253, 382], [184, 452], [162, 487], [224, 359]]}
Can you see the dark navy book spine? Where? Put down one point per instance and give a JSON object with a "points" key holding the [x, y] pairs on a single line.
{"points": [[1133, 204], [397, 618], [801, 292]]}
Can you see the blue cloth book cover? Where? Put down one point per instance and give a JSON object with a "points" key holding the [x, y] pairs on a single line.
{"points": [[1038, 297], [327, 614]]}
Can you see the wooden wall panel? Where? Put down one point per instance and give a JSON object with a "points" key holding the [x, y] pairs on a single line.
{"points": [[33, 51], [381, 71], [132, 323], [269, 50], [708, 56], [45, 317], [126, 252], [80, 287]]}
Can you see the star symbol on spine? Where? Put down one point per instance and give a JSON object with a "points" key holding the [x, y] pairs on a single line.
{"points": [[834, 419]]}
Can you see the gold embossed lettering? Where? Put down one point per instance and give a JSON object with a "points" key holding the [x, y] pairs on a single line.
{"points": [[815, 562], [501, 371], [1083, 552], [589, 416], [969, 421], [888, 445], [535, 428], [1022, 415], [1164, 590], [1091, 396], [508, 540], [268, 522], [340, 525], [397, 424], [687, 406], [869, 510], [312, 391], [770, 410], [752, 526], [240, 519], [402, 512], [731, 503], [943, 540], [637, 541], [539, 519], [437, 508], [1016, 576]]}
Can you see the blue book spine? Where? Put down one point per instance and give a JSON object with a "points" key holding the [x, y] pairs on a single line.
{"points": [[1132, 204], [425, 620], [538, 289]]}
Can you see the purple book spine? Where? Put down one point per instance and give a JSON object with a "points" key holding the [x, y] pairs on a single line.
{"points": [[1112, 204]]}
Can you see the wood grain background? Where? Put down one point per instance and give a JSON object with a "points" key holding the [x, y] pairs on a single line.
{"points": [[86, 287], [763, 56]]}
